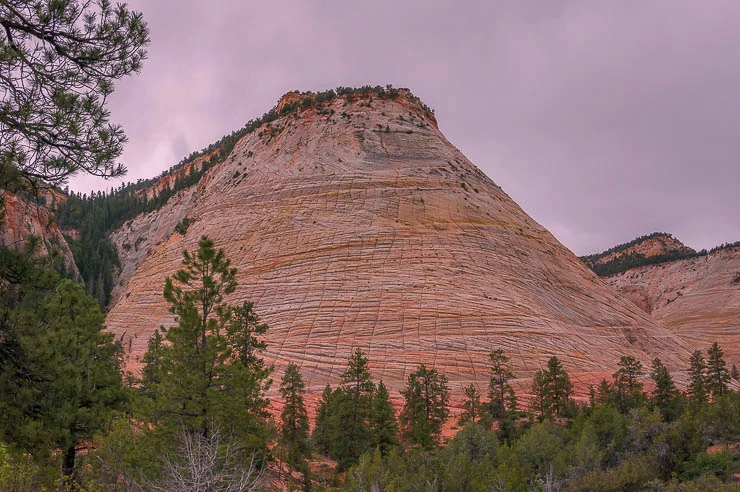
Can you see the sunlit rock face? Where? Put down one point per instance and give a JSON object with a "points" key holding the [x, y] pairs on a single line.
{"points": [[357, 224], [697, 298]]}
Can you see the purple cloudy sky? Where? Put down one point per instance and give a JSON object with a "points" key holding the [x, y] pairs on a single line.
{"points": [[603, 120]]}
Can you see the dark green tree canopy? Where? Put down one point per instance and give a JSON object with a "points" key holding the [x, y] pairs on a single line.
{"points": [[427, 396], [551, 390], [208, 366], [62, 382], [294, 418], [383, 420], [627, 385], [717, 374], [58, 62], [697, 389], [500, 391]]}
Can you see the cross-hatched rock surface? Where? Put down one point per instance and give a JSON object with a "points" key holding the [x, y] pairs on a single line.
{"points": [[357, 224], [697, 298]]}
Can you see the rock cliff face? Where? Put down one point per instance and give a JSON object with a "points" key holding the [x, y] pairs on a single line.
{"points": [[355, 223], [23, 218], [698, 298]]}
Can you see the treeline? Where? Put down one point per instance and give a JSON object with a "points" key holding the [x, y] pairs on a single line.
{"points": [[96, 215], [622, 263], [623, 438], [625, 262], [198, 411], [69, 421]]}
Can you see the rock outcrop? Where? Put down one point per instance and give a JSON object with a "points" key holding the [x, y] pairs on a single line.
{"points": [[655, 245], [24, 217], [697, 298], [355, 223]]}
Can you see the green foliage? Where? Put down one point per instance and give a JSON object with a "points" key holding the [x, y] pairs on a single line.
{"points": [[717, 375], [294, 418], [718, 464], [629, 475], [501, 396], [357, 391], [383, 425], [627, 387], [59, 372], [206, 370], [539, 447], [601, 449], [551, 390], [182, 226], [426, 398], [471, 405], [18, 473], [720, 421], [324, 423], [665, 395], [697, 389], [345, 420], [60, 60]]}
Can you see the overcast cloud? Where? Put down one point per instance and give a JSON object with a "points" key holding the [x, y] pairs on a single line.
{"points": [[603, 120]]}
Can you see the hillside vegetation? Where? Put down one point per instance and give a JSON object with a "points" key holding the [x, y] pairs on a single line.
{"points": [[622, 257]]}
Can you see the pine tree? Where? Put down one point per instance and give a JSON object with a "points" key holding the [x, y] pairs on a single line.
{"points": [[425, 409], [559, 386], [343, 427], [665, 392], [209, 371], [59, 63], [604, 392], [322, 433], [734, 374], [717, 375], [551, 389], [471, 405], [697, 377], [499, 388], [62, 382], [383, 423], [539, 403], [627, 386], [153, 360], [357, 389], [294, 418]]}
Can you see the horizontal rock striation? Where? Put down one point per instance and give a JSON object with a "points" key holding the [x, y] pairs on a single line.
{"points": [[355, 223]]}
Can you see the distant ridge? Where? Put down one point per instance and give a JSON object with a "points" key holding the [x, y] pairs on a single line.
{"points": [[650, 249]]}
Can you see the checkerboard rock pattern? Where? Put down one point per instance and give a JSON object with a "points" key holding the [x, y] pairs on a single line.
{"points": [[357, 224]]}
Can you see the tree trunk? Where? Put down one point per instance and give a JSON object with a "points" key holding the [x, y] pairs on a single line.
{"points": [[68, 461]]}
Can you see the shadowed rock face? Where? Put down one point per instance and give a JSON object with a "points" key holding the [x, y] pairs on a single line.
{"points": [[357, 224], [22, 218], [697, 298]]}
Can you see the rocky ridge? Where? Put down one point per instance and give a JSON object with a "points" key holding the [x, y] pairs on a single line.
{"points": [[697, 298], [655, 245], [355, 223]]}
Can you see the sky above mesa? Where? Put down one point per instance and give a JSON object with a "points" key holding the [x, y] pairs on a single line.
{"points": [[602, 120]]}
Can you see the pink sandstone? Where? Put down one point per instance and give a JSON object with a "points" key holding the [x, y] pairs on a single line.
{"points": [[357, 224]]}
